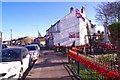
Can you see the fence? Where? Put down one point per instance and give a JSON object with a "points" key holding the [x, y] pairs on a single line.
{"points": [[92, 67]]}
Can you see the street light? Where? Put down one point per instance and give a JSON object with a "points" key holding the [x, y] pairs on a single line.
{"points": [[0, 42]]}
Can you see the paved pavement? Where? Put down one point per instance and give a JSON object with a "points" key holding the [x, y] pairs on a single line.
{"points": [[50, 66]]}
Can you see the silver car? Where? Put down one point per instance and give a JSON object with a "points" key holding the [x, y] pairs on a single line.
{"points": [[34, 51], [14, 62]]}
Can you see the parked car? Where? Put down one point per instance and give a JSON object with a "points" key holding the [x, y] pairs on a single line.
{"points": [[37, 44], [14, 62], [4, 46], [34, 51]]}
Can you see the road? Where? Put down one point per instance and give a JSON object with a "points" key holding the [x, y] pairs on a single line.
{"points": [[49, 66]]}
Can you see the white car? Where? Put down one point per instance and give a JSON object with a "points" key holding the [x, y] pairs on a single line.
{"points": [[14, 62], [34, 51]]}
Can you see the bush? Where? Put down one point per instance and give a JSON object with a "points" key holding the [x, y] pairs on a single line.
{"points": [[115, 32]]}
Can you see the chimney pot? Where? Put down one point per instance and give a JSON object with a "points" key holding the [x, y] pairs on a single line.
{"points": [[71, 9]]}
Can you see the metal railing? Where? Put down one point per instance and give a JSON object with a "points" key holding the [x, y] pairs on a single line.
{"points": [[91, 66]]}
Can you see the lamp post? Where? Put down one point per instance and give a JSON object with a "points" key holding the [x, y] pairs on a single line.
{"points": [[0, 42]]}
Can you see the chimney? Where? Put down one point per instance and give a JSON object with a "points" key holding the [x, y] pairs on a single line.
{"points": [[71, 9], [83, 11]]}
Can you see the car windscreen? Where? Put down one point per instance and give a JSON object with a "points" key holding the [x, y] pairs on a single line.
{"points": [[9, 55], [31, 48]]}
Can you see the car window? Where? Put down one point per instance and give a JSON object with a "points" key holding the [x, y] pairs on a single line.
{"points": [[36, 47], [11, 55], [25, 53], [37, 44], [31, 47]]}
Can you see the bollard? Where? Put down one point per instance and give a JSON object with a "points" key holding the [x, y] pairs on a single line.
{"points": [[68, 59], [59, 47]]}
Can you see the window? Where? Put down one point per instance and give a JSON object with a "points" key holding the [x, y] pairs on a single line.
{"points": [[31, 48], [74, 35], [11, 55], [25, 53]]}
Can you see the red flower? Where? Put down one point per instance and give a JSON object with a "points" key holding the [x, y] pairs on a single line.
{"points": [[73, 56], [69, 53], [94, 66], [81, 60], [84, 61], [112, 75], [102, 70], [88, 63], [78, 58]]}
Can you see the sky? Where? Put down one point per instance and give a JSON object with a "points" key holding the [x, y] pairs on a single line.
{"points": [[27, 18], [58, 0]]}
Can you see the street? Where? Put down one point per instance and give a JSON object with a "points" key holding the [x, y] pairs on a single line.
{"points": [[51, 66]]}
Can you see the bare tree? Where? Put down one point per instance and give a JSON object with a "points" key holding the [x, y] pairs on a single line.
{"points": [[108, 12]]}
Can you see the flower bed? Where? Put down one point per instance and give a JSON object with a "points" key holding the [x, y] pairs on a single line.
{"points": [[99, 69]]}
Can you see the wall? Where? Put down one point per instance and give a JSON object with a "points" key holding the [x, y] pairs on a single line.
{"points": [[67, 25]]}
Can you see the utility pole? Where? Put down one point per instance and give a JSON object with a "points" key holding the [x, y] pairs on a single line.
{"points": [[0, 43], [11, 36]]}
